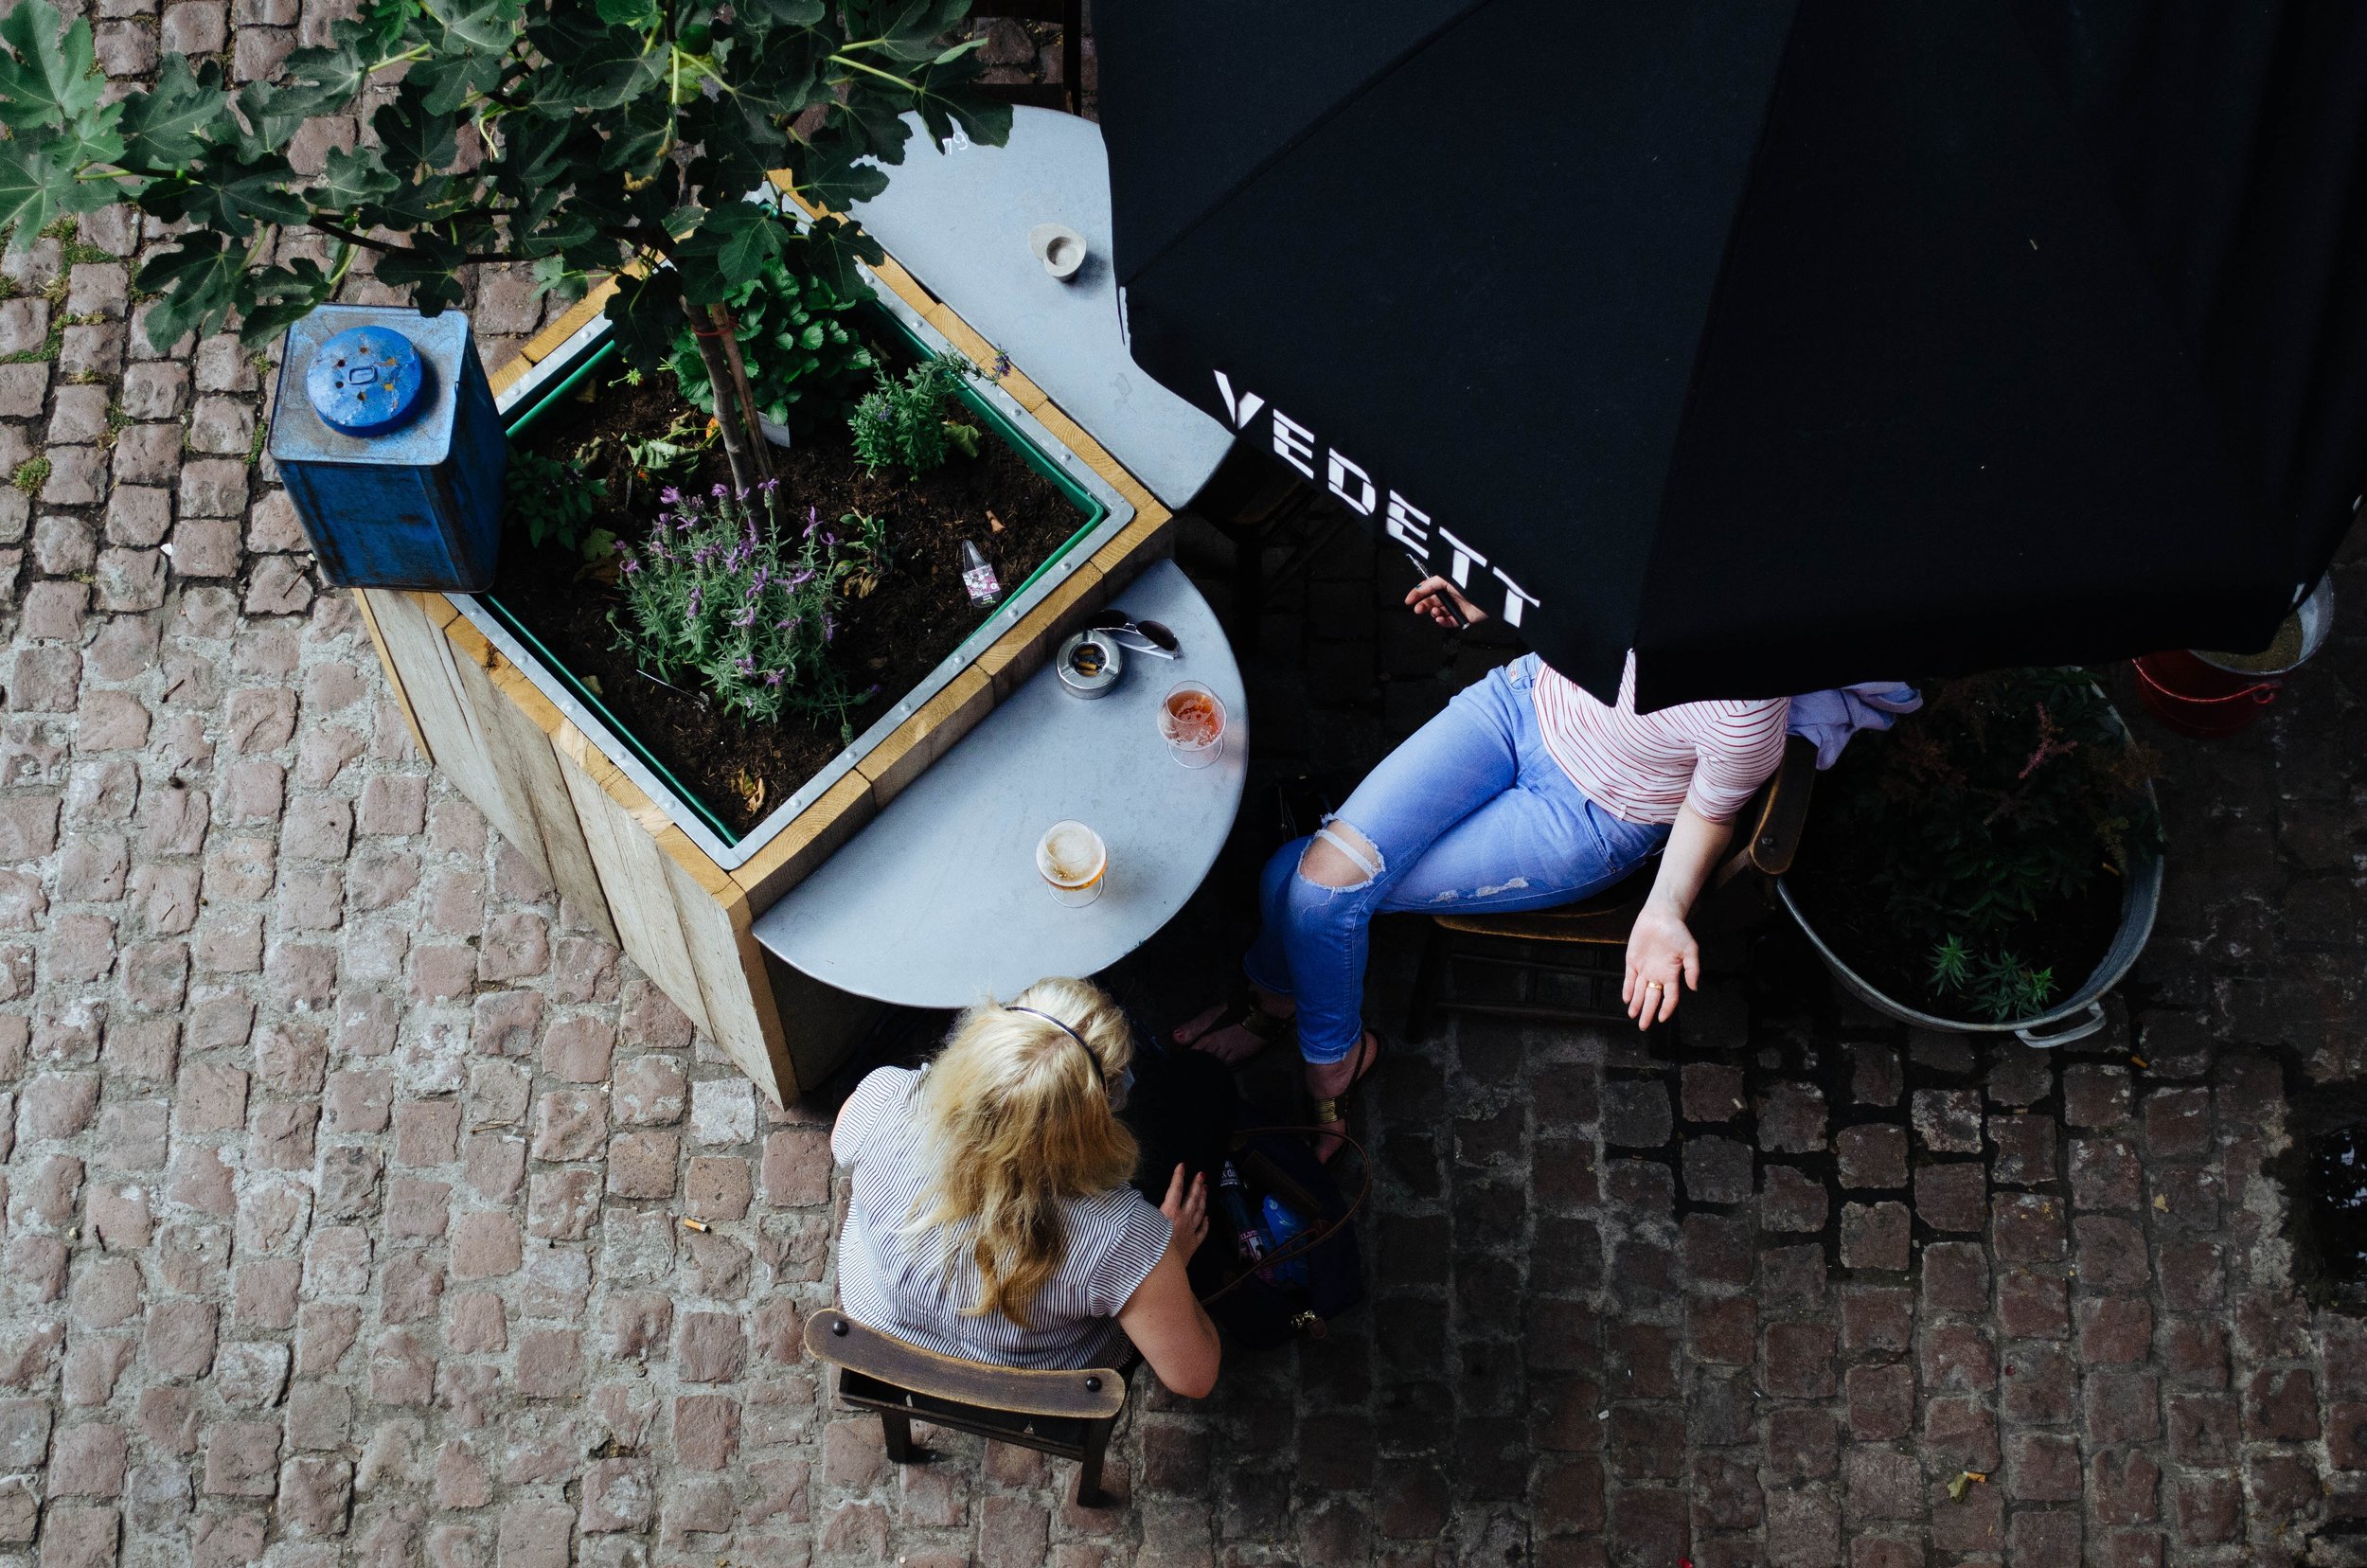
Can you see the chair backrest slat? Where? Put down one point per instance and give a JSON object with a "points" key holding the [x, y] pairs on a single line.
{"points": [[1087, 1394]]}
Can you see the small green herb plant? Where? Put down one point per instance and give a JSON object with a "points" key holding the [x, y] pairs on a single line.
{"points": [[1998, 985], [553, 502], [720, 593], [799, 341], [902, 423], [1955, 840]]}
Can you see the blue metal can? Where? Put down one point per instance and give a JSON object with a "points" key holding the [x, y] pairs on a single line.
{"points": [[385, 434]]}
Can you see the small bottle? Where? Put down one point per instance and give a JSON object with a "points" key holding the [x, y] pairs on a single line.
{"points": [[1232, 1197], [978, 576]]}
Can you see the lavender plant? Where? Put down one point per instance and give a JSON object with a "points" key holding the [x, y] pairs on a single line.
{"points": [[717, 592]]}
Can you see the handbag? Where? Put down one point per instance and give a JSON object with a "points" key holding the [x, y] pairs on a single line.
{"points": [[1311, 1269]]}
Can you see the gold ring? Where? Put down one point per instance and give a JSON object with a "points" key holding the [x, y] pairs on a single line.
{"points": [[1654, 985]]}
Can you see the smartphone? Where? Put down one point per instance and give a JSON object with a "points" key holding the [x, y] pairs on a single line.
{"points": [[1447, 600]]}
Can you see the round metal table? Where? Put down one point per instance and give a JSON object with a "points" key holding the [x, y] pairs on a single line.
{"points": [[937, 903]]}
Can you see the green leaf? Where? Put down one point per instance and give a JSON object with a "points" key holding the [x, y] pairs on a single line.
{"points": [[838, 182], [412, 137], [351, 178], [490, 25], [791, 13], [91, 140], [37, 186], [947, 96], [743, 238], [908, 29], [833, 246], [167, 126], [640, 16], [447, 81], [199, 280], [230, 194], [427, 269], [53, 77], [379, 30]]}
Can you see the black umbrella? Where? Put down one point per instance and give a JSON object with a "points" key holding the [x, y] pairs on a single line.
{"points": [[1787, 345]]}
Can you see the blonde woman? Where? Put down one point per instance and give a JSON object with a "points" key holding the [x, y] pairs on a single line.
{"points": [[990, 1216]]}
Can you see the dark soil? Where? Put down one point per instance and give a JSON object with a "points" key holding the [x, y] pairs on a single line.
{"points": [[2070, 935], [892, 639]]}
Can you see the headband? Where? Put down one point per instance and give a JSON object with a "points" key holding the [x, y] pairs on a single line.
{"points": [[1090, 1054]]}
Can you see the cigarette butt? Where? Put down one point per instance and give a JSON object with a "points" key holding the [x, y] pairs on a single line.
{"points": [[693, 1224]]}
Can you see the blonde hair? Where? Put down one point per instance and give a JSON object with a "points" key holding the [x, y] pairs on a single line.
{"points": [[1015, 1117]]}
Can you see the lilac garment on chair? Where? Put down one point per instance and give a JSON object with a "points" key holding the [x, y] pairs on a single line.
{"points": [[1831, 718]]}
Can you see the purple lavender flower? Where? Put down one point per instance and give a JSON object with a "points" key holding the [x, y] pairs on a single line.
{"points": [[746, 618], [773, 679], [719, 493], [631, 566], [669, 496]]}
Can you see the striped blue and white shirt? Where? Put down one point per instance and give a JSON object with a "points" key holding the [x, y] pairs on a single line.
{"points": [[896, 1282]]}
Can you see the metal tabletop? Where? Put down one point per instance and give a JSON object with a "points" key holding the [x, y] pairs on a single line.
{"points": [[959, 222], [937, 902]]}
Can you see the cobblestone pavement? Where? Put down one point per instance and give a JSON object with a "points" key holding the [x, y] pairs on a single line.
{"points": [[342, 1177]]}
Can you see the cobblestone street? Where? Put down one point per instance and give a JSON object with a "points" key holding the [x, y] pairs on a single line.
{"points": [[344, 1176]]}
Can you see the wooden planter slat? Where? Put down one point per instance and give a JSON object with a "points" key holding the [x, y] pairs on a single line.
{"points": [[942, 719], [618, 861], [817, 835], [632, 871], [386, 662]]}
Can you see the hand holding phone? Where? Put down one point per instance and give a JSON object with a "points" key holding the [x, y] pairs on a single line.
{"points": [[1437, 598]]}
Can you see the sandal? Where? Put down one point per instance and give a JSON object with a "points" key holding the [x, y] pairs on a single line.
{"points": [[1243, 1012], [1326, 1112]]}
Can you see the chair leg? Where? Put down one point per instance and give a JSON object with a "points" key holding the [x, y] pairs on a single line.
{"points": [[1089, 1492], [896, 1428]]}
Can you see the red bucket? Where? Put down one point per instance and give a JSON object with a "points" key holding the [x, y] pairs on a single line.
{"points": [[2200, 700]]}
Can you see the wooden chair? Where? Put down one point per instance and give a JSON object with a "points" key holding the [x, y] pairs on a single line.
{"points": [[1069, 1415], [1580, 948], [1067, 93]]}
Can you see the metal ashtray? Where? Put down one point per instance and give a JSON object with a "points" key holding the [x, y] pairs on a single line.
{"points": [[1090, 664]]}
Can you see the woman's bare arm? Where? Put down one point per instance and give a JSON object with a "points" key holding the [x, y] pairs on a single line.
{"points": [[1164, 1319], [1660, 947]]}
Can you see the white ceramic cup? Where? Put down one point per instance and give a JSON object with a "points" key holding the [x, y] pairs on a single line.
{"points": [[1061, 248]]}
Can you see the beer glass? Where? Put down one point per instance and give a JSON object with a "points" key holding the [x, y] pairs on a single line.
{"points": [[1073, 862]]}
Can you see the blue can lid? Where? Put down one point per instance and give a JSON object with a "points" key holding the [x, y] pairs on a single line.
{"points": [[365, 379]]}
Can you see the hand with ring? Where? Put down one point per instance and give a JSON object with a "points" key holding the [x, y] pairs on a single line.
{"points": [[1661, 953]]}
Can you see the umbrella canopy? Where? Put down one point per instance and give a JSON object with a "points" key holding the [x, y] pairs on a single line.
{"points": [[1787, 345]]}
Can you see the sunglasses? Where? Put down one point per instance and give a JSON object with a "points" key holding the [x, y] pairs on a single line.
{"points": [[1147, 637]]}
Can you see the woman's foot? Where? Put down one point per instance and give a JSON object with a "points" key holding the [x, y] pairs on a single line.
{"points": [[1235, 1030], [1328, 1081]]}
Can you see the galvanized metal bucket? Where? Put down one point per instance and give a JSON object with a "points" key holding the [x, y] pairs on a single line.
{"points": [[2078, 1015]]}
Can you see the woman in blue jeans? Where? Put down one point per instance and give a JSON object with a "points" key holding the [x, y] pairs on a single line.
{"points": [[1526, 793]]}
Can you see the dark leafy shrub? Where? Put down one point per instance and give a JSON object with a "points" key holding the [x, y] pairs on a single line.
{"points": [[1965, 834]]}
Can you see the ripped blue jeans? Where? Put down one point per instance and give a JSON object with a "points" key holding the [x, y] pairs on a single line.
{"points": [[1473, 812]]}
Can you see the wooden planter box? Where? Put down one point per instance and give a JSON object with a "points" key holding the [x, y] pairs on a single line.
{"points": [[552, 780]]}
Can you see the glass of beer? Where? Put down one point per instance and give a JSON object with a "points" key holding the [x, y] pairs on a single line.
{"points": [[1191, 719], [1073, 862]]}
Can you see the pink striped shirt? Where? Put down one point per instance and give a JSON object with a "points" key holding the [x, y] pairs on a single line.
{"points": [[1644, 766]]}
